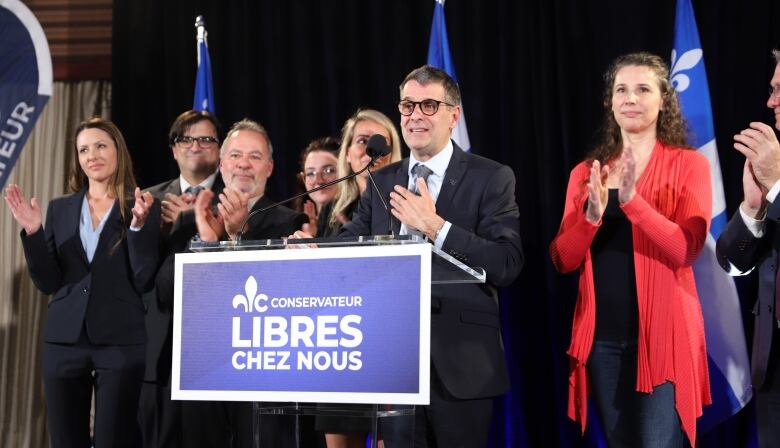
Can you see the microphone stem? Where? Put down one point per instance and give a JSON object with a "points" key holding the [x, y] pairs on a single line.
{"points": [[379, 193], [240, 233]]}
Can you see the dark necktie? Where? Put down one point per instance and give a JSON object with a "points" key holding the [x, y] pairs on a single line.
{"points": [[420, 171]]}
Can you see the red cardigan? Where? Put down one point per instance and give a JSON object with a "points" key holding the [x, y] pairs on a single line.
{"points": [[670, 218]]}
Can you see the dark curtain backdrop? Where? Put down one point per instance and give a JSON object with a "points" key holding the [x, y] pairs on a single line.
{"points": [[530, 72]]}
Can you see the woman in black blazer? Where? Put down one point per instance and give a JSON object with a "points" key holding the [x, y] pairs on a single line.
{"points": [[97, 254]]}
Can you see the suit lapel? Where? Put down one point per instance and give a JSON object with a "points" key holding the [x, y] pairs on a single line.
{"points": [[174, 188], [401, 178], [112, 227], [452, 178], [72, 221]]}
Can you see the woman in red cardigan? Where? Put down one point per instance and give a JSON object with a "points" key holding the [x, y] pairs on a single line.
{"points": [[636, 217]]}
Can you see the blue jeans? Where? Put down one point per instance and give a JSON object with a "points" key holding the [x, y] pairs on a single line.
{"points": [[631, 419]]}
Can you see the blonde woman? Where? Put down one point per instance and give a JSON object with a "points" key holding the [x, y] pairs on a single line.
{"points": [[352, 158]]}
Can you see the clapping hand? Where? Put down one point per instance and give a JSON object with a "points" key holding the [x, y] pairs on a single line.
{"points": [[627, 188], [210, 226], [755, 195], [27, 214], [759, 145], [234, 208], [140, 211], [598, 194], [173, 205]]}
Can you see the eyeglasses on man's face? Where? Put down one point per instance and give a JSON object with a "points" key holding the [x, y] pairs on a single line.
{"points": [[774, 91], [327, 172], [427, 106], [186, 141]]}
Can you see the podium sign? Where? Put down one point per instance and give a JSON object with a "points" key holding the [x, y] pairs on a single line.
{"points": [[337, 325]]}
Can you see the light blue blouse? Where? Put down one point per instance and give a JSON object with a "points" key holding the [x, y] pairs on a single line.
{"points": [[89, 236]]}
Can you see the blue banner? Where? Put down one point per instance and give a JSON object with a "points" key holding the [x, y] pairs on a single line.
{"points": [[330, 327], [439, 57], [204, 87], [25, 80], [726, 348]]}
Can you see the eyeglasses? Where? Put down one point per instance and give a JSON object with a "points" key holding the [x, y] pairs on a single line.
{"points": [[427, 106], [775, 91], [328, 173], [205, 142]]}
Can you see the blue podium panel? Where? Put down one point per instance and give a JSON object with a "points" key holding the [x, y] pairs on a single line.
{"points": [[336, 325]]}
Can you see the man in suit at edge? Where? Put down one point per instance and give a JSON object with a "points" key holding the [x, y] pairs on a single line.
{"points": [[467, 208], [246, 163], [752, 238], [195, 147]]}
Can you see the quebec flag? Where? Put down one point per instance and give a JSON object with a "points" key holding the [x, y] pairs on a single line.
{"points": [[204, 88], [25, 80], [726, 349], [439, 57]]}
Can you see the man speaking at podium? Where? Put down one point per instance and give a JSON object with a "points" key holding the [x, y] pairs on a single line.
{"points": [[465, 205]]}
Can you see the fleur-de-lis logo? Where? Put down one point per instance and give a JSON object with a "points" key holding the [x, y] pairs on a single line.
{"points": [[687, 61], [250, 301]]}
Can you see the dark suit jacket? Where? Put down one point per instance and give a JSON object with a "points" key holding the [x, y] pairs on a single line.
{"points": [[104, 295], [159, 315], [478, 198], [275, 223], [738, 245]]}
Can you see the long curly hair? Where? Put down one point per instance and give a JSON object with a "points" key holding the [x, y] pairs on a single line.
{"points": [[671, 128]]}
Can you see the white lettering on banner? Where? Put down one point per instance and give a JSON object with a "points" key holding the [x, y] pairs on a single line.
{"points": [[274, 331], [269, 360], [13, 129], [317, 302], [301, 331], [309, 360], [321, 336], [323, 360]]}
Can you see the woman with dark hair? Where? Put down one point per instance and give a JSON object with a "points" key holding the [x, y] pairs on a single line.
{"points": [[319, 165], [97, 253], [636, 217]]}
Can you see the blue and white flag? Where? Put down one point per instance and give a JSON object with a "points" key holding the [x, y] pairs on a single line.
{"points": [[25, 80], [439, 57], [726, 349], [204, 87]]}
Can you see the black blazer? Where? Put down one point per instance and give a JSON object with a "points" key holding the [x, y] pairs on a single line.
{"points": [[104, 295], [738, 246], [275, 223], [159, 315], [478, 198]]}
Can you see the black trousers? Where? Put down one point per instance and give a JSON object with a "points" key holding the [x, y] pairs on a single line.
{"points": [[159, 416], [72, 371], [768, 400], [447, 422]]}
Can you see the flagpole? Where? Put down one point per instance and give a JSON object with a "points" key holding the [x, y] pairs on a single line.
{"points": [[203, 98]]}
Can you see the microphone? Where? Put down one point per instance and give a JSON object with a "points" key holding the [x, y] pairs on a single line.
{"points": [[377, 147]]}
